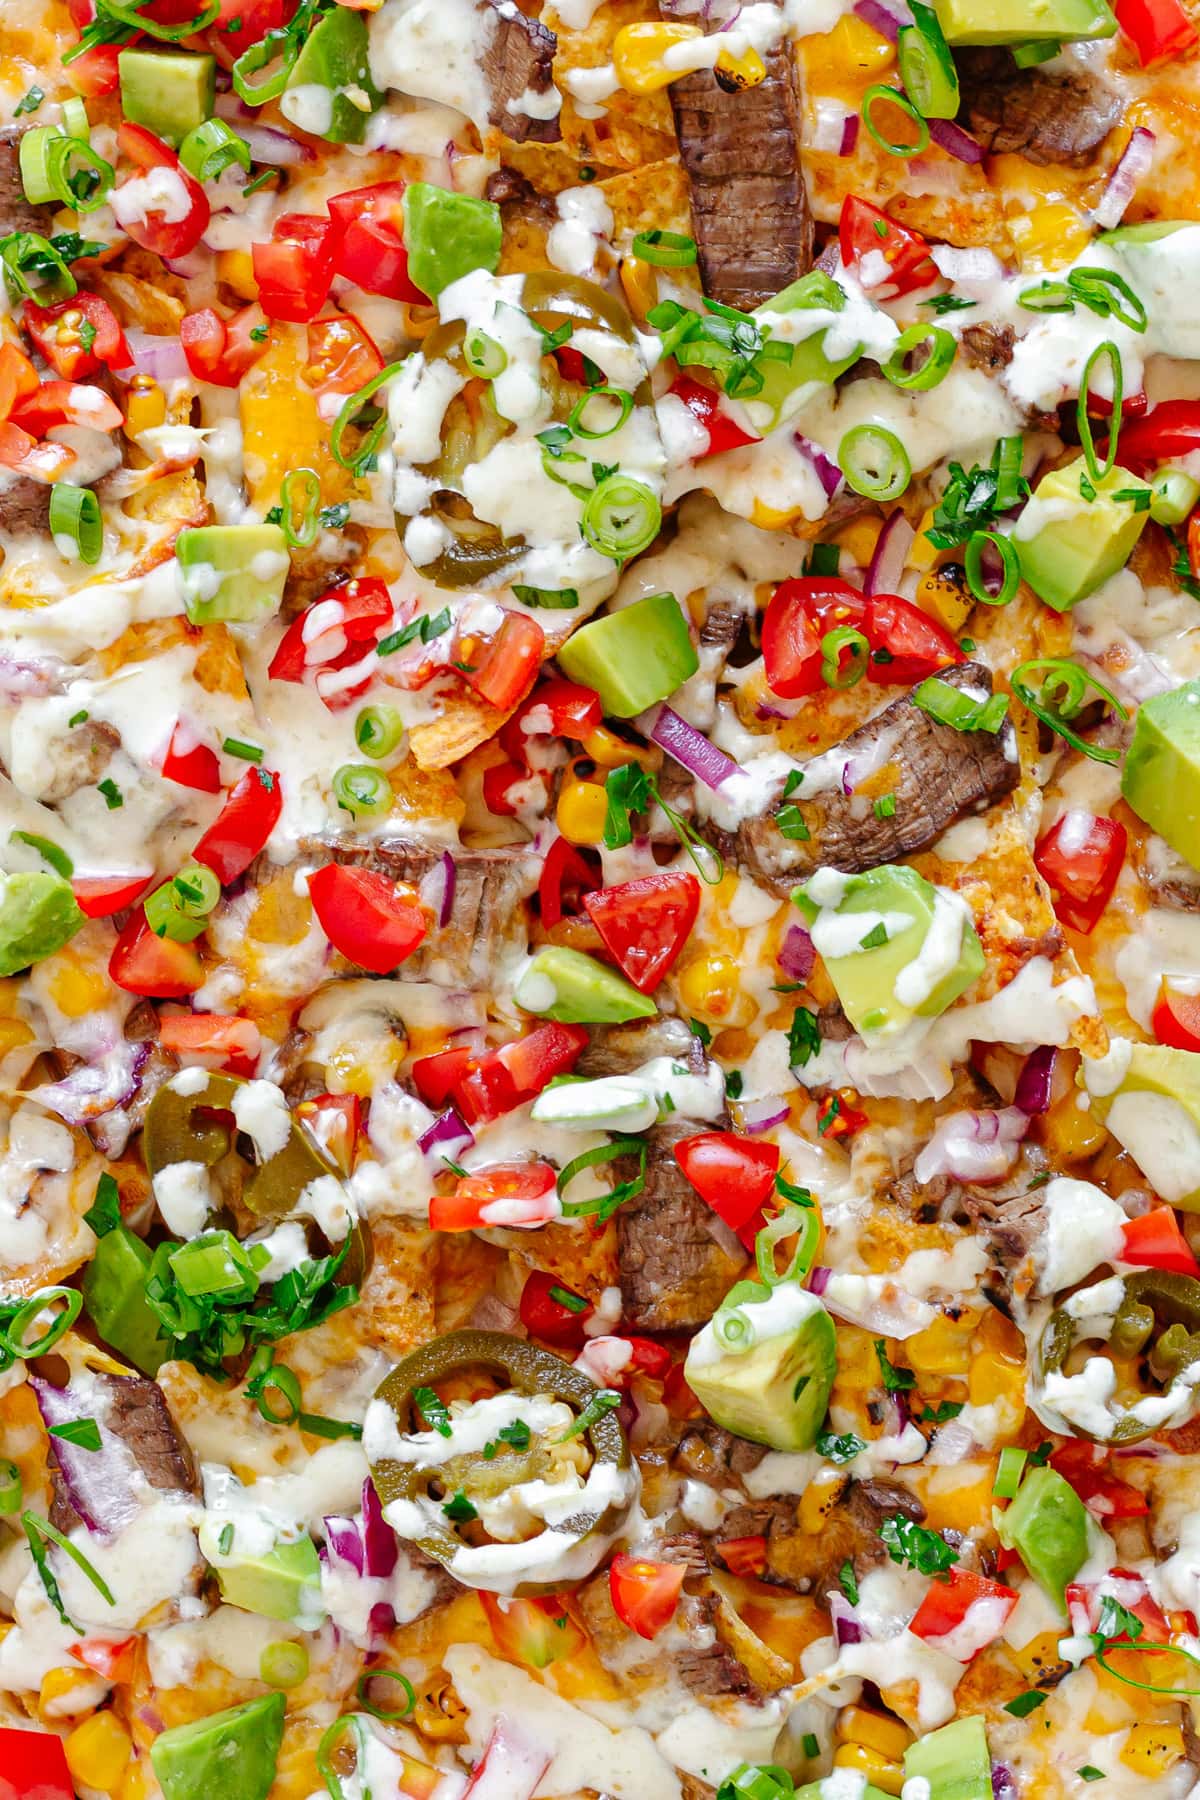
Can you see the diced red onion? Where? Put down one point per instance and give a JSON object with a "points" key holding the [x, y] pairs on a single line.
{"points": [[93, 1089], [973, 1146], [343, 1540], [438, 888], [818, 1281], [731, 21], [763, 1115], [379, 1540], [1036, 1081], [1004, 1786], [691, 749], [1134, 163], [847, 1626], [849, 141], [189, 267], [490, 1313], [162, 358], [100, 1484], [952, 1444], [796, 954], [511, 1766], [955, 141], [828, 473], [885, 19], [448, 1134], [830, 125], [888, 558]]}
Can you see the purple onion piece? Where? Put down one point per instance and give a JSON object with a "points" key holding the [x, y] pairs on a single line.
{"points": [[450, 874], [161, 357], [93, 1089], [849, 141], [818, 1281], [763, 1115], [1134, 162], [955, 141], [1004, 1786], [342, 1540], [828, 473], [99, 1483], [379, 1540], [1036, 1080], [448, 1134], [885, 19], [847, 1628], [796, 954], [888, 557], [691, 749]]}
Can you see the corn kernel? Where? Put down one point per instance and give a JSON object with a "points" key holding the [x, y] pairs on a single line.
{"points": [[65, 1692], [610, 751], [922, 554], [709, 987], [236, 269], [1152, 1749], [639, 282], [12, 1035], [1048, 237], [948, 600], [98, 1752], [819, 1499], [581, 812], [1070, 1134], [942, 1348], [744, 71], [75, 987], [639, 52], [773, 518], [145, 407], [134, 1785], [879, 1771], [855, 49], [359, 1068], [857, 538], [874, 1730]]}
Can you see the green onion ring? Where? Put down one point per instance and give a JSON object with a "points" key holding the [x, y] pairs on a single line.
{"points": [[621, 517], [60, 151], [665, 249], [873, 96], [874, 462], [943, 348], [13, 1335], [283, 1664], [973, 566], [300, 536], [75, 514], [1074, 683], [353, 405], [1109, 349], [211, 148], [362, 790], [624, 402], [283, 1382], [484, 356], [379, 1712], [843, 637], [378, 730], [328, 1744], [798, 1221], [1091, 285], [1048, 297]]}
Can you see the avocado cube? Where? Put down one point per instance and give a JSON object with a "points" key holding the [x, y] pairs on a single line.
{"points": [[281, 1583], [575, 989], [777, 1391], [633, 658], [114, 1292], [38, 915], [894, 946], [955, 1761], [1161, 777], [227, 1756], [1023, 21], [232, 572], [1068, 545], [330, 92], [170, 92], [1154, 1112], [1047, 1525], [447, 235]]}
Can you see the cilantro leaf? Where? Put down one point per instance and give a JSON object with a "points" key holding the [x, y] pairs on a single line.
{"points": [[921, 1549]]}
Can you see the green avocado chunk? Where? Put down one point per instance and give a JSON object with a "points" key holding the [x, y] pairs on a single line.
{"points": [[764, 1365], [808, 362], [955, 1761], [232, 572], [1154, 1112], [1161, 777], [228, 1756], [447, 235], [283, 1582], [170, 92], [1068, 545], [38, 915], [575, 989], [329, 91], [114, 1292], [1047, 1525], [1024, 21], [633, 658]]}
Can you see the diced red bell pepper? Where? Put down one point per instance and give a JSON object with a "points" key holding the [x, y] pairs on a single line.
{"points": [[294, 271], [142, 963], [99, 896], [212, 1041], [798, 615], [1155, 1241], [733, 1175], [501, 669], [744, 1556], [190, 762], [167, 237], [962, 1612], [58, 331], [335, 630], [95, 72], [513, 1195], [1157, 29], [1080, 858], [906, 645], [370, 251], [1084, 1600], [536, 1632], [33, 1766], [556, 709], [1176, 1018], [243, 825], [704, 404], [341, 357], [335, 1120], [66, 403], [1169, 431], [557, 1321], [644, 1594], [221, 350], [567, 877], [863, 229], [374, 922], [646, 923], [1085, 1467]]}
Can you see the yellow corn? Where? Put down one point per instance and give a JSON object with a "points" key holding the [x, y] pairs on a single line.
{"points": [[639, 50], [610, 751], [942, 1348], [922, 554], [134, 1785], [1152, 1749], [879, 1770], [947, 599], [874, 1731], [639, 281], [75, 987], [857, 538], [98, 1752], [65, 1692], [360, 1068], [744, 71], [1069, 1134], [709, 987], [236, 269], [819, 1499], [12, 1035], [854, 49], [773, 518], [146, 405], [1048, 237], [581, 811]]}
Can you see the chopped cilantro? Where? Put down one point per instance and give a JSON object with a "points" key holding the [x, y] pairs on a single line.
{"points": [[847, 1582], [841, 1449], [921, 1549], [432, 1410], [459, 1508], [29, 102], [1023, 1704], [896, 1381], [804, 1037]]}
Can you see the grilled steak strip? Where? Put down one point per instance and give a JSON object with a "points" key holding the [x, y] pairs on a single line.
{"points": [[518, 59], [137, 1413], [1045, 117], [797, 1559]]}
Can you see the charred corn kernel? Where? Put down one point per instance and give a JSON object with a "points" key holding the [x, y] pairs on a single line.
{"points": [[922, 554], [943, 1348], [1048, 237], [772, 518], [948, 600], [75, 988], [1153, 1749], [441, 1715], [610, 751], [145, 405], [857, 538], [581, 811], [854, 49], [639, 53], [639, 282], [819, 1499], [65, 1692], [709, 986], [1070, 1134], [744, 71], [98, 1752], [880, 1771], [874, 1731], [994, 1378], [236, 269], [1038, 1656]]}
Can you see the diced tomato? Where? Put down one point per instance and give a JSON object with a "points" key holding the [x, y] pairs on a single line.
{"points": [[536, 1632], [341, 357], [678, 1397], [502, 668], [212, 1041], [295, 269], [704, 404], [1080, 859], [648, 1358], [243, 825], [906, 644], [66, 403], [1156, 28], [95, 72], [435, 1077], [556, 709], [646, 923], [58, 331], [335, 630], [838, 1117], [144, 964], [644, 1594], [99, 896], [19, 380], [744, 1556], [1176, 1018], [863, 230], [241, 23], [191, 763], [553, 1319], [513, 1195], [371, 250], [500, 781], [221, 350], [571, 364], [733, 1175], [33, 1766], [1170, 430], [1084, 1600], [335, 1120], [374, 922], [567, 878], [1155, 1241], [40, 462], [165, 237], [115, 1661], [517, 1072], [966, 1608], [798, 615], [1085, 1467]]}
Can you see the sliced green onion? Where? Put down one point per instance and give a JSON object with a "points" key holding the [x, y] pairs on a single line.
{"points": [[665, 249], [283, 1664], [483, 355], [1108, 294], [10, 1487], [552, 599], [39, 1532], [926, 65], [84, 188], [47, 849], [624, 403], [240, 748], [323, 1427], [34, 163], [1174, 496], [352, 1723], [621, 517], [75, 514], [942, 349], [283, 1382], [378, 730], [833, 673], [950, 706], [1009, 1470], [276, 52], [351, 409], [1061, 697], [553, 459], [129, 12], [973, 567], [13, 1335], [604, 1205], [1007, 460], [1094, 468], [801, 1222], [1047, 296], [878, 95], [732, 1329], [75, 118], [363, 791], [379, 1712], [211, 148], [303, 533], [874, 462], [166, 918], [197, 890]]}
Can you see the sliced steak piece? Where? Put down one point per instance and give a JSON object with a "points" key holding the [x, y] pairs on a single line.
{"points": [[988, 347], [709, 1453], [487, 921], [133, 1409], [797, 1559], [1011, 1226], [24, 504], [79, 760], [701, 1661], [518, 61], [676, 1260], [16, 212], [1043, 116], [741, 153], [619, 1049], [711, 1669], [941, 775]]}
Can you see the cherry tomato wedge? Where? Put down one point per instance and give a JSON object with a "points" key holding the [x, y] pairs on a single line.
{"points": [[335, 630], [512, 1195], [66, 403], [176, 226], [341, 357], [863, 230], [144, 964], [798, 615], [536, 1632], [335, 1120], [221, 350], [191, 763], [569, 874], [644, 1594], [645, 923], [704, 404], [1155, 1241], [99, 896], [733, 1175], [295, 269], [501, 669], [371, 250], [1176, 1018], [371, 920], [1157, 29], [906, 644], [499, 1080], [556, 709], [1086, 1468], [243, 825], [1080, 859], [744, 1556], [553, 1312], [963, 1613], [58, 331], [212, 1040]]}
